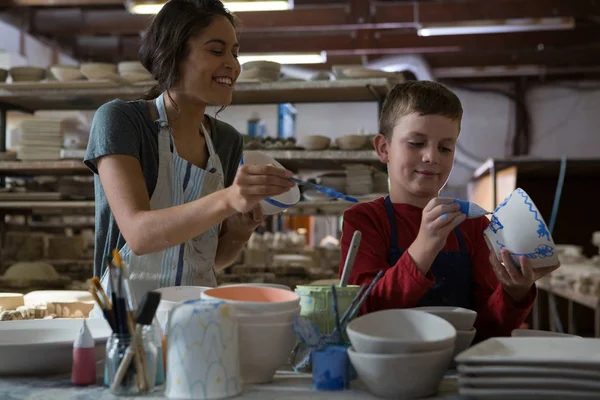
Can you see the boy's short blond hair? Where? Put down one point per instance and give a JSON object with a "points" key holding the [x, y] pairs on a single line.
{"points": [[422, 97]]}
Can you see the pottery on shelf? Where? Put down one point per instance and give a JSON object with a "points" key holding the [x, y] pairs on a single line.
{"points": [[518, 226]]}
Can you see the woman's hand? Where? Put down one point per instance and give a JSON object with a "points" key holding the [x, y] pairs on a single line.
{"points": [[517, 283], [254, 183], [241, 225]]}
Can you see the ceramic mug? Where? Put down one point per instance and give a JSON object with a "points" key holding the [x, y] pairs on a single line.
{"points": [[203, 351], [518, 226]]}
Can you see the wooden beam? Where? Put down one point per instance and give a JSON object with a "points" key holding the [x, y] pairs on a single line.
{"points": [[381, 15]]}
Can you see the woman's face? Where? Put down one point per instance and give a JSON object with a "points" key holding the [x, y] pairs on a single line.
{"points": [[211, 68]]}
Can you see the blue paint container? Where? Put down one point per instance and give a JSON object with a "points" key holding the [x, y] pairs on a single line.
{"points": [[330, 368]]}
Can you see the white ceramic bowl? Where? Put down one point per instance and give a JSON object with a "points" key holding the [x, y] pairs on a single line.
{"points": [[277, 204], [461, 318], [401, 376], [268, 318], [264, 348], [66, 73], [400, 331], [463, 341], [540, 333], [273, 285], [315, 142], [518, 226], [254, 299], [45, 346], [351, 142]]}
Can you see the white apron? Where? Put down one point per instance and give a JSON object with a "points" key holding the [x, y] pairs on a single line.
{"points": [[179, 181]]}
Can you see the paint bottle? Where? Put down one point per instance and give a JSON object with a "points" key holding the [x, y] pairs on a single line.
{"points": [[471, 210], [83, 372]]}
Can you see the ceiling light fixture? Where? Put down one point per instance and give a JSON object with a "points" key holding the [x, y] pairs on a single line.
{"points": [[153, 7], [286, 58], [496, 26]]}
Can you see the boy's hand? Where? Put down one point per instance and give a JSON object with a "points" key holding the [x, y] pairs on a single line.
{"points": [[517, 283], [440, 217]]}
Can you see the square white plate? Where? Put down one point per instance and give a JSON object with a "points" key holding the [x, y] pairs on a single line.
{"points": [[534, 351], [498, 371]]}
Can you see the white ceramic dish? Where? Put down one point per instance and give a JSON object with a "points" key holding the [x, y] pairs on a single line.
{"points": [[518, 226], [551, 351], [461, 318], [255, 302], [401, 376], [519, 371], [277, 204], [260, 358], [45, 347], [273, 285], [528, 394], [529, 383], [463, 341], [400, 331], [539, 333]]}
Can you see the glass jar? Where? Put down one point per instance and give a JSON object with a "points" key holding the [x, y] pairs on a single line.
{"points": [[116, 348]]}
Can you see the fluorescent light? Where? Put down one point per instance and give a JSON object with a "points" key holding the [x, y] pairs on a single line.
{"points": [[496, 26], [233, 6], [286, 58]]}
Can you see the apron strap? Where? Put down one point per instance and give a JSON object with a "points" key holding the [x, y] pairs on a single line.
{"points": [[394, 253], [461, 240]]}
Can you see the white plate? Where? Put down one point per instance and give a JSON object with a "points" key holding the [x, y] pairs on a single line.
{"points": [[529, 383], [533, 394], [45, 347], [534, 351], [519, 371]]}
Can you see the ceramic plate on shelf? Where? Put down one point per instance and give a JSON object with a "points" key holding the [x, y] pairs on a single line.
{"points": [[45, 346], [576, 352]]}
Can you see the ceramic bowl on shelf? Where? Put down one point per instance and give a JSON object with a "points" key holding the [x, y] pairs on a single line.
{"points": [[461, 318], [27, 74], [400, 331], [402, 376], [351, 142], [254, 299], [315, 142], [66, 73], [518, 226], [276, 204]]}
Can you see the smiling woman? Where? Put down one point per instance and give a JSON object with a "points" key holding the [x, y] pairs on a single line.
{"points": [[169, 194]]}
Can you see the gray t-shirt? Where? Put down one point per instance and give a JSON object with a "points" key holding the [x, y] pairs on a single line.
{"points": [[127, 128]]}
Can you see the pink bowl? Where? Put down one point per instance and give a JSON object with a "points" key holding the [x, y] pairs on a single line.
{"points": [[252, 299]]}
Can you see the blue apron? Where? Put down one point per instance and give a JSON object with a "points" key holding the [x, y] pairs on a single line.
{"points": [[451, 269]]}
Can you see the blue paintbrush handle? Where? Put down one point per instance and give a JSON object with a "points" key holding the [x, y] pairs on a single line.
{"points": [[326, 190]]}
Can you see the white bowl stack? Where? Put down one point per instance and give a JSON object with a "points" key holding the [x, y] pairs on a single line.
{"points": [[40, 139], [461, 319], [401, 353], [266, 334]]}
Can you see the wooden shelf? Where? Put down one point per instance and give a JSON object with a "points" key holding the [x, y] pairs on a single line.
{"points": [[292, 159], [48, 207], [90, 95], [20, 168]]}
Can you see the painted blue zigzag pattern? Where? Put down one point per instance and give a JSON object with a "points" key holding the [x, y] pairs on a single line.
{"points": [[542, 251], [542, 231]]}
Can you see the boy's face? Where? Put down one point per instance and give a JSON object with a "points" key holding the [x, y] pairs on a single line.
{"points": [[420, 155]]}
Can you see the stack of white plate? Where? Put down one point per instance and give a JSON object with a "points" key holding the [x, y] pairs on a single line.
{"points": [[531, 368], [40, 139], [359, 180]]}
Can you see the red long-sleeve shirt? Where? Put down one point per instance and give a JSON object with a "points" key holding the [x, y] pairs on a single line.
{"points": [[402, 285]]}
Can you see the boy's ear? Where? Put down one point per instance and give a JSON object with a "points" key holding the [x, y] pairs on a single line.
{"points": [[381, 147]]}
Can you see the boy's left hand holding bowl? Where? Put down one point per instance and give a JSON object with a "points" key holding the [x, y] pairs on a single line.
{"points": [[517, 283]]}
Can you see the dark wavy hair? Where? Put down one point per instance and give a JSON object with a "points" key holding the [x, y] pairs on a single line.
{"points": [[165, 43]]}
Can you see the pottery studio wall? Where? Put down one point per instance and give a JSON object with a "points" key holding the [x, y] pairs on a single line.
{"points": [[564, 121]]}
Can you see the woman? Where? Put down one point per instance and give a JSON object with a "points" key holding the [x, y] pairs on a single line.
{"points": [[169, 194]]}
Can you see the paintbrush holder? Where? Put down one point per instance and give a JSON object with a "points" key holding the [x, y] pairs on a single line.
{"points": [[116, 348], [203, 357], [331, 368]]}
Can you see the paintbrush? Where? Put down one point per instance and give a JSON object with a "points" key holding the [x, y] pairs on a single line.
{"points": [[364, 298], [144, 316], [336, 314]]}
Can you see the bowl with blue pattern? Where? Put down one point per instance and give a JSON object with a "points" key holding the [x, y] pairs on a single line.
{"points": [[276, 204], [518, 226]]}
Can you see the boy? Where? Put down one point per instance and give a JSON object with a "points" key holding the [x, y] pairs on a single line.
{"points": [[431, 255]]}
